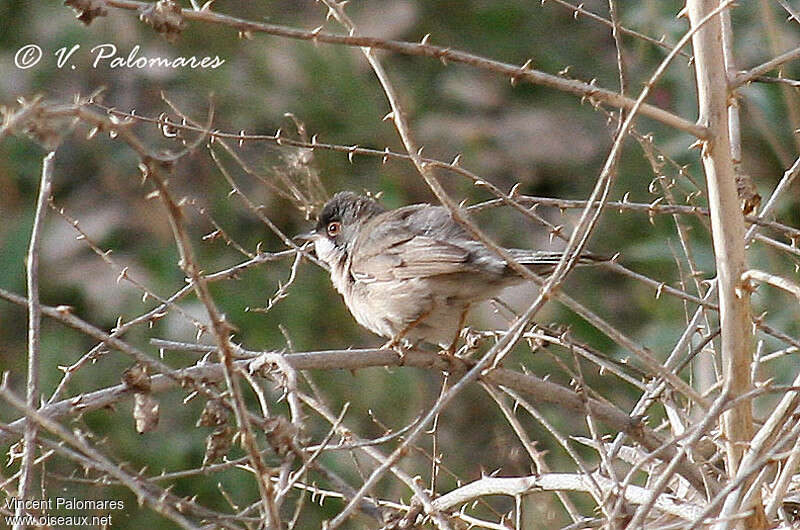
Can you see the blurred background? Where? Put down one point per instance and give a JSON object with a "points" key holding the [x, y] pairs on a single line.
{"points": [[549, 143]]}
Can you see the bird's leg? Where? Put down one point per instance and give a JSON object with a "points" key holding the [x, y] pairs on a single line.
{"points": [[451, 350], [396, 342]]}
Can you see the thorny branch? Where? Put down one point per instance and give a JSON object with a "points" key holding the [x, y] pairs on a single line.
{"points": [[444, 54], [34, 329], [680, 453]]}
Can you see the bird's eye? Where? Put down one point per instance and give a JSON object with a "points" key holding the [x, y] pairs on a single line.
{"points": [[334, 228]]}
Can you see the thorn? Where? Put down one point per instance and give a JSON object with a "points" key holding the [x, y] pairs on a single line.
{"points": [[425, 39], [314, 33], [556, 230], [389, 116], [625, 199], [659, 290], [456, 161]]}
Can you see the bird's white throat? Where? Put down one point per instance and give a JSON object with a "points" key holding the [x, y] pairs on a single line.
{"points": [[326, 251]]}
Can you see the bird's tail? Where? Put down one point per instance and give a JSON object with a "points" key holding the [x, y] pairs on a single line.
{"points": [[544, 262]]}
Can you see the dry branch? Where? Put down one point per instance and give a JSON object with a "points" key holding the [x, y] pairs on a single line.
{"points": [[34, 330], [680, 457], [444, 54]]}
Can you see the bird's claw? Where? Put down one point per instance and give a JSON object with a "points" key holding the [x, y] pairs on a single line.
{"points": [[398, 348]]}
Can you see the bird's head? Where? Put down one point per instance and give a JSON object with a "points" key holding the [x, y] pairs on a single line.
{"points": [[339, 225]]}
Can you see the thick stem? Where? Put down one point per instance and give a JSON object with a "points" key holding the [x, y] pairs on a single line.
{"points": [[727, 226]]}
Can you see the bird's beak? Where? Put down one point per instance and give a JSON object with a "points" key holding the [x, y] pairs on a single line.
{"points": [[305, 242], [306, 236]]}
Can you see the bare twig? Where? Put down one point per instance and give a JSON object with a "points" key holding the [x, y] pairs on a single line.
{"points": [[699, 429], [445, 54], [581, 10], [773, 280], [34, 326], [108, 466], [222, 331], [560, 482], [536, 456], [746, 77]]}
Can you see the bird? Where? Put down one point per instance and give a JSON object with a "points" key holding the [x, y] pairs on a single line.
{"points": [[411, 274]]}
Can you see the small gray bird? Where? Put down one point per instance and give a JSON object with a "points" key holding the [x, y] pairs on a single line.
{"points": [[411, 274]]}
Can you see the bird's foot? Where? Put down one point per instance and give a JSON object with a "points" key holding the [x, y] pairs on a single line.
{"points": [[472, 340], [448, 355], [399, 348]]}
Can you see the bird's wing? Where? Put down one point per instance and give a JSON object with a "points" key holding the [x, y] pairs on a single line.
{"points": [[411, 257], [419, 241]]}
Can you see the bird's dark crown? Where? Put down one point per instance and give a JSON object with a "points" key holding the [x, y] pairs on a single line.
{"points": [[347, 207]]}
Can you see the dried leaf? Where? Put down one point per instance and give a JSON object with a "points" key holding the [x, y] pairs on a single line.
{"points": [[145, 412]]}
